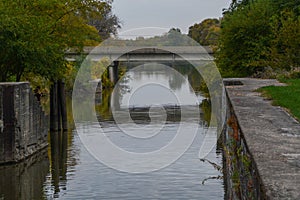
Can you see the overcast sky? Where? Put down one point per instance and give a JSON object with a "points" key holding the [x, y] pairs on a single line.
{"points": [[165, 13]]}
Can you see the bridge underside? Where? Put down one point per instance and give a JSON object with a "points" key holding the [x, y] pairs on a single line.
{"points": [[168, 54]]}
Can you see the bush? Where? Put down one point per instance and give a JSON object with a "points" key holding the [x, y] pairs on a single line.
{"points": [[259, 35]]}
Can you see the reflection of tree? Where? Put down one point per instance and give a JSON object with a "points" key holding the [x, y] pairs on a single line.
{"points": [[150, 70], [25, 180], [156, 69], [176, 82], [194, 77], [71, 124], [60, 161], [183, 67], [206, 108], [197, 83], [103, 109], [161, 68]]}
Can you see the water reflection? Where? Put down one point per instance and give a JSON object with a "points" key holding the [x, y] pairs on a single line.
{"points": [[64, 156], [73, 173], [128, 91], [58, 148], [24, 180], [183, 179]]}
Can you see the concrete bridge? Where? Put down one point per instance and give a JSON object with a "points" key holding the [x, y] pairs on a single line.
{"points": [[146, 53]]}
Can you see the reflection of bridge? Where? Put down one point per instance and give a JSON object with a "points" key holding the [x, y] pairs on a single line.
{"points": [[142, 54]]}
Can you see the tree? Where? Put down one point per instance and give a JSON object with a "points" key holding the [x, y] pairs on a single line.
{"points": [[106, 24], [285, 42], [206, 33], [259, 34], [174, 30], [287, 5], [34, 35]]}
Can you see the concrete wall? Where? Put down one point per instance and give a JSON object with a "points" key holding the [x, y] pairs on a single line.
{"points": [[241, 177], [23, 123], [269, 136]]}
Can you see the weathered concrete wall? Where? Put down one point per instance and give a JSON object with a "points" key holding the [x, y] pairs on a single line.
{"points": [[23, 123], [263, 145], [242, 180]]}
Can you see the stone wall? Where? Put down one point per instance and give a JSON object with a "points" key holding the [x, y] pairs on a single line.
{"points": [[23, 123]]}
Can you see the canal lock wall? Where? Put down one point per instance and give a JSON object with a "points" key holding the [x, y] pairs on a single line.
{"points": [[23, 123], [261, 144], [241, 177]]}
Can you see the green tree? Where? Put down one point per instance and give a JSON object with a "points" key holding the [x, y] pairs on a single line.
{"points": [[244, 39], [259, 34], [285, 42], [235, 4], [287, 5], [107, 23], [34, 35], [205, 33]]}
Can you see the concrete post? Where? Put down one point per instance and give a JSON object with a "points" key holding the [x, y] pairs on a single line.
{"points": [[113, 72], [53, 108], [62, 105], [58, 110]]}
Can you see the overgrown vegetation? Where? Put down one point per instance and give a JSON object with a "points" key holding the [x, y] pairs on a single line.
{"points": [[285, 96], [259, 34], [254, 37]]}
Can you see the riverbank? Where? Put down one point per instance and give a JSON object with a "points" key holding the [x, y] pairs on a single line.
{"points": [[271, 135]]}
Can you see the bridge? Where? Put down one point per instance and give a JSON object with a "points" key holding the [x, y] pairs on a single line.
{"points": [[137, 54], [146, 53]]}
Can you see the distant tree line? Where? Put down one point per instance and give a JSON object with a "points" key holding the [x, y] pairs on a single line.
{"points": [[173, 37]]}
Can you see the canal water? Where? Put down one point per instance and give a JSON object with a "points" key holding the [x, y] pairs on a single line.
{"points": [[66, 170]]}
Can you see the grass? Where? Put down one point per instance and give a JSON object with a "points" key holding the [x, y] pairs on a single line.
{"points": [[285, 96]]}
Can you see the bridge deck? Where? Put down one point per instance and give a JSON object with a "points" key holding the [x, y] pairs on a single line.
{"points": [[150, 53]]}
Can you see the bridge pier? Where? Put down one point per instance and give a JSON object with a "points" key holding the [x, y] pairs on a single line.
{"points": [[113, 71]]}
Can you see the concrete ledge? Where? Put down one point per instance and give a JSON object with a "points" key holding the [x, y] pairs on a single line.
{"points": [[272, 137]]}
